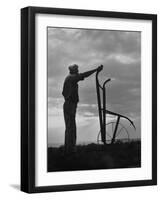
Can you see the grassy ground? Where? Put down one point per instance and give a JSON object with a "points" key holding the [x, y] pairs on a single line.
{"points": [[94, 156]]}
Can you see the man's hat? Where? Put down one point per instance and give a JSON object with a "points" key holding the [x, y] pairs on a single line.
{"points": [[73, 68]]}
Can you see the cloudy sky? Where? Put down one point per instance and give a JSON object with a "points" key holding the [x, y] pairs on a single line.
{"points": [[119, 52]]}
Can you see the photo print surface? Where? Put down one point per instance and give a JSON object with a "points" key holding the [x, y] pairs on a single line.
{"points": [[93, 124]]}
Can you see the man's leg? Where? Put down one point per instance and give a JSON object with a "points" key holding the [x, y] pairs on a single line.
{"points": [[70, 132], [73, 134], [67, 126], [74, 131]]}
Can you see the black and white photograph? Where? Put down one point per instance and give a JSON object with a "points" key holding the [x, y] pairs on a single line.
{"points": [[93, 99], [89, 92]]}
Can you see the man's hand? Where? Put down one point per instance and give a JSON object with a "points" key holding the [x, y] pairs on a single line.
{"points": [[99, 68], [88, 73]]}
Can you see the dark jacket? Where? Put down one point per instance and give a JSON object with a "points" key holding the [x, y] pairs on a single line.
{"points": [[70, 88]]}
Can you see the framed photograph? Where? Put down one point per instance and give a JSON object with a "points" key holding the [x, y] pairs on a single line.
{"points": [[88, 99]]}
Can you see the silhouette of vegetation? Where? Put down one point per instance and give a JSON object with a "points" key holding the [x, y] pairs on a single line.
{"points": [[96, 156]]}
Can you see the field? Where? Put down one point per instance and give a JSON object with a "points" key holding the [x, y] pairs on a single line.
{"points": [[94, 156]]}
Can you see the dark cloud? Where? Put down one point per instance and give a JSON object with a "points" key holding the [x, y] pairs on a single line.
{"points": [[87, 47]]}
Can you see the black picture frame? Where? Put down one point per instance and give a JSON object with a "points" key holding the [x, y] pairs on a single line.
{"points": [[28, 90]]}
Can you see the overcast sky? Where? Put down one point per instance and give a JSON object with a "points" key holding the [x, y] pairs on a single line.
{"points": [[119, 52]]}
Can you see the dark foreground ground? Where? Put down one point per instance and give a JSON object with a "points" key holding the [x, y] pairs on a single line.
{"points": [[94, 156]]}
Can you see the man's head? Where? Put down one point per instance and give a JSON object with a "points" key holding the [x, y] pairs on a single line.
{"points": [[73, 69]]}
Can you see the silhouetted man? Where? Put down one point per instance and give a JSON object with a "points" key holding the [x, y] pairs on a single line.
{"points": [[70, 93]]}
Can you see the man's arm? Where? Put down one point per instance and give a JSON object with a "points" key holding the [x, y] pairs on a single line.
{"points": [[89, 73]]}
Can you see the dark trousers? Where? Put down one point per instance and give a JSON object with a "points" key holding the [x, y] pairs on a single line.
{"points": [[70, 126]]}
